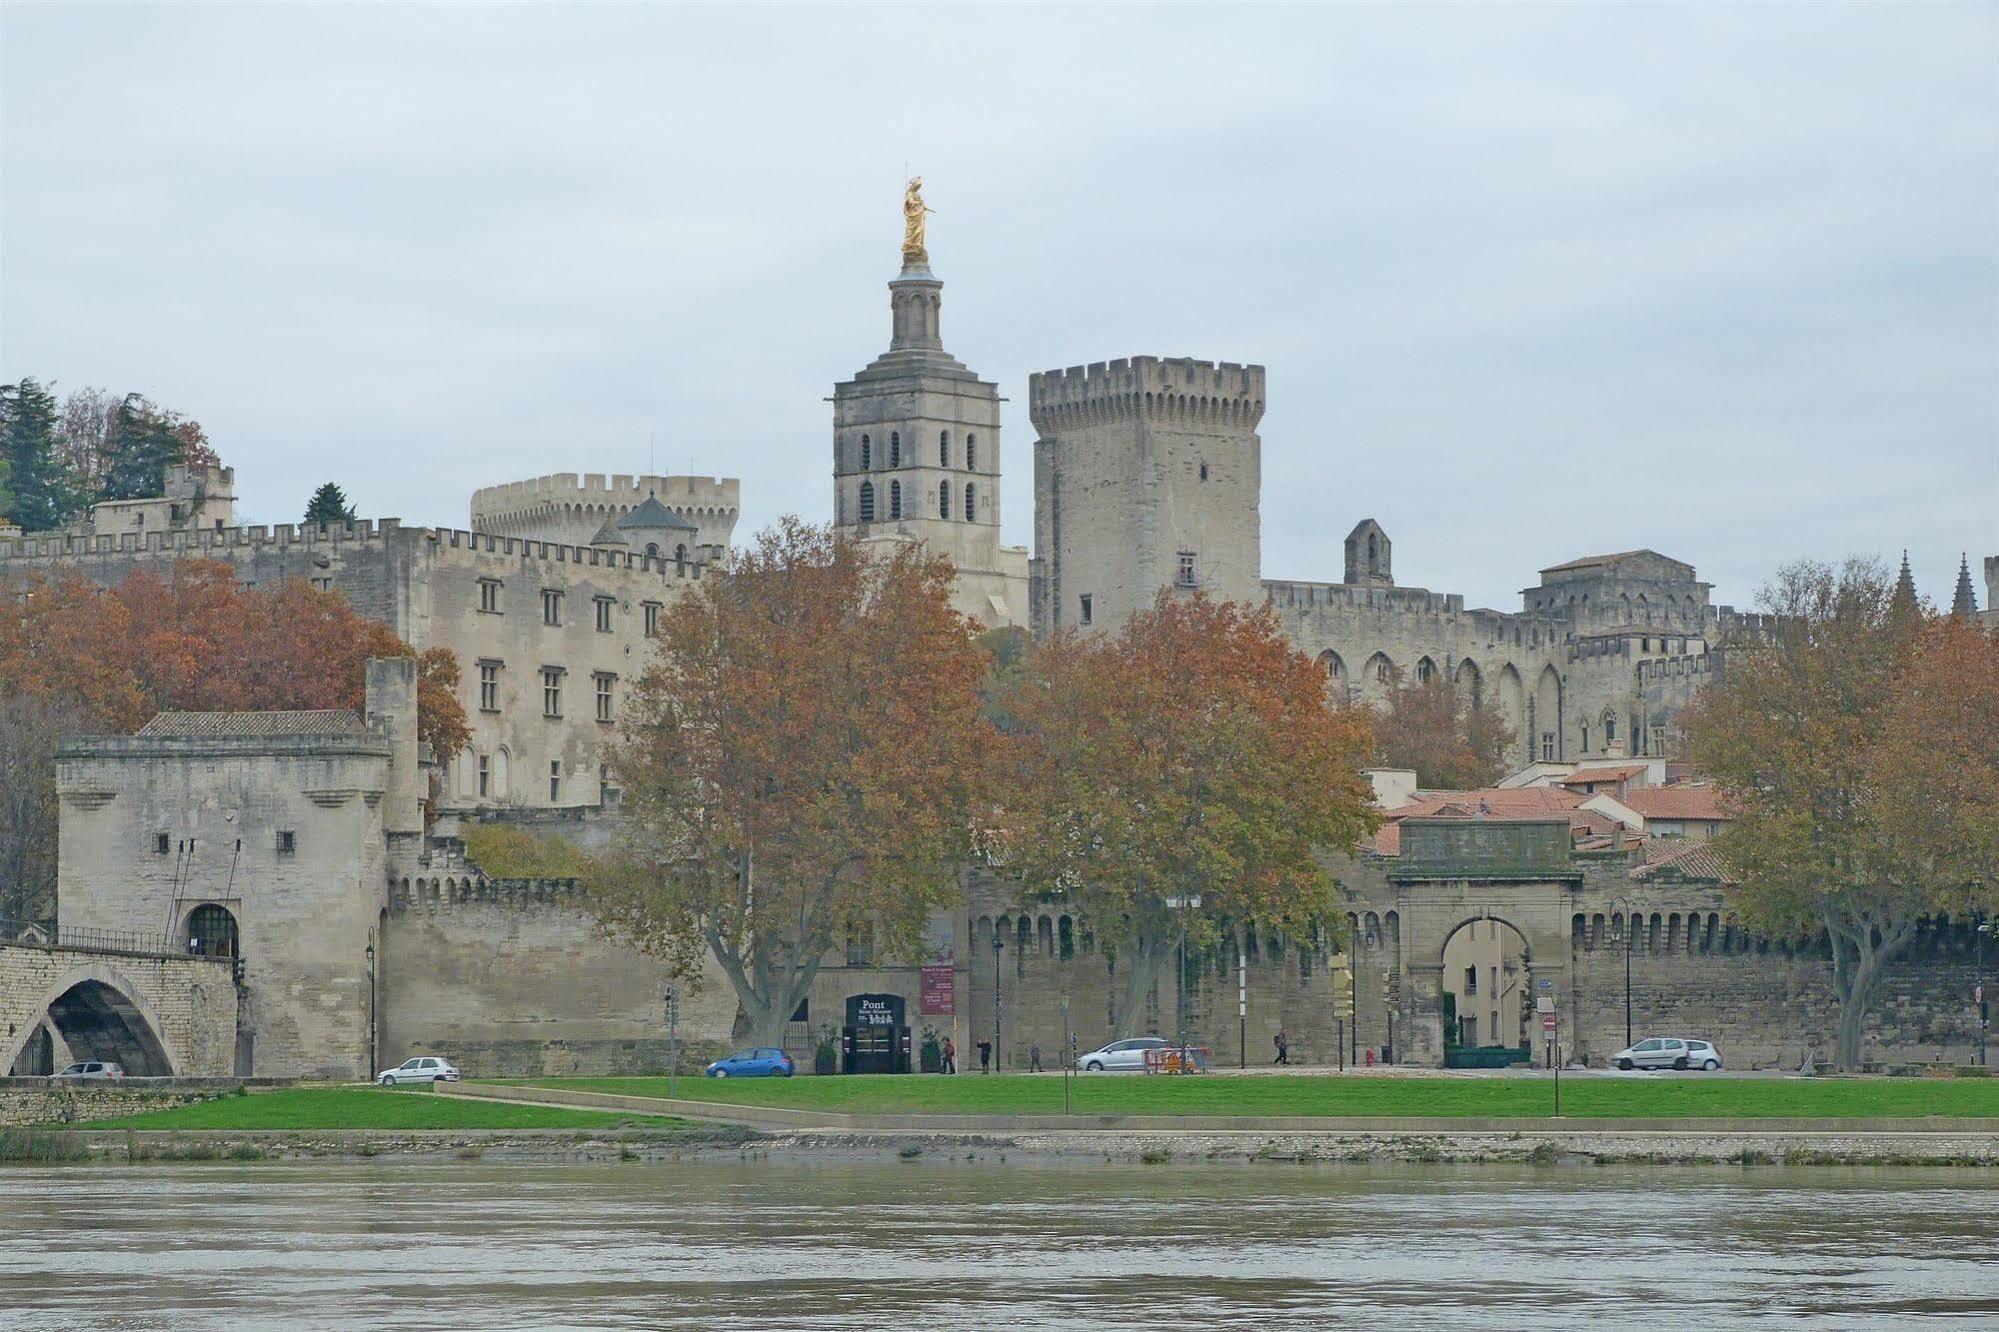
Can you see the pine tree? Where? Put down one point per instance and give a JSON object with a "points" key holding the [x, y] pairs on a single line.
{"points": [[329, 505], [31, 476], [142, 443]]}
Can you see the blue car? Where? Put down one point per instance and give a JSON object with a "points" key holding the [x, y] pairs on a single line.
{"points": [[753, 1064]]}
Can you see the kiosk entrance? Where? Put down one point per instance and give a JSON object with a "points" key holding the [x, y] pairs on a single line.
{"points": [[876, 1037]]}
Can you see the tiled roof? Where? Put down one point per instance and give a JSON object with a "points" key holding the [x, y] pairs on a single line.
{"points": [[1504, 803], [1589, 561], [323, 721], [1676, 802], [651, 513], [1584, 776], [1681, 859]]}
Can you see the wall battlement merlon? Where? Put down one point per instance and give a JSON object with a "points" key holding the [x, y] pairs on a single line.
{"points": [[1227, 391], [232, 541]]}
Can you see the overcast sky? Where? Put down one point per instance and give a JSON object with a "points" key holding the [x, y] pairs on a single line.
{"points": [[1530, 283]]}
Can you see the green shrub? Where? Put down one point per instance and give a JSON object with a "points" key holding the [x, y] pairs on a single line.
{"points": [[507, 852], [26, 1144]]}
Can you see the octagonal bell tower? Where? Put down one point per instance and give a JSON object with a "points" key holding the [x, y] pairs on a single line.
{"points": [[916, 445]]}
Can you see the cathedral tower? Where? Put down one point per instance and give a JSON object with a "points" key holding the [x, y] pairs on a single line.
{"points": [[1147, 475], [916, 441]]}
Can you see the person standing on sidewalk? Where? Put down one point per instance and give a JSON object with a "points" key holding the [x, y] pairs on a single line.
{"points": [[1283, 1048], [950, 1056], [985, 1055]]}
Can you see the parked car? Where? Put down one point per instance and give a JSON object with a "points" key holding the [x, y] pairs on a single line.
{"points": [[1125, 1054], [91, 1069], [422, 1068], [1668, 1052], [761, 1062]]}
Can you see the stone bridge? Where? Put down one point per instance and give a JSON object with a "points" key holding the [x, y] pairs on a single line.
{"points": [[157, 1014]]}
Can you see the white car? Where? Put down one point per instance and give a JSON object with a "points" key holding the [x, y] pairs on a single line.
{"points": [[1125, 1054], [91, 1071], [1668, 1052], [423, 1068]]}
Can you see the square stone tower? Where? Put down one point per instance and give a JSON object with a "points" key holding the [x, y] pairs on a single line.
{"points": [[1147, 475], [916, 453]]}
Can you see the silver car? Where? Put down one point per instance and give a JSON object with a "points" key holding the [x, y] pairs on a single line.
{"points": [[1668, 1052], [1125, 1054], [423, 1068], [91, 1069]]}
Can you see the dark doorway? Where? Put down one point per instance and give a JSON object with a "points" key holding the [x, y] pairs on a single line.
{"points": [[38, 1057], [876, 1037], [211, 932]]}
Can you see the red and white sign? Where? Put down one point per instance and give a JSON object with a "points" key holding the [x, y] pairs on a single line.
{"points": [[940, 989], [1548, 1024]]}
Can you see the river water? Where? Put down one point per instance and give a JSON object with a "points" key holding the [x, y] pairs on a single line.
{"points": [[931, 1246]]}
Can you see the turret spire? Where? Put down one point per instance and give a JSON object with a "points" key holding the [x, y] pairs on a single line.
{"points": [[1964, 605]]}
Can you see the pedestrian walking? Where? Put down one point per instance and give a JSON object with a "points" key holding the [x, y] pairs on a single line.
{"points": [[1034, 1057], [1283, 1048], [985, 1055], [950, 1056]]}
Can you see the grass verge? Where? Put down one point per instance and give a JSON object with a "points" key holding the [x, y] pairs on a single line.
{"points": [[1682, 1096], [371, 1108]]}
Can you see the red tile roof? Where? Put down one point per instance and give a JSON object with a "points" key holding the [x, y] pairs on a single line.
{"points": [[1674, 857], [1584, 776], [1676, 802]]}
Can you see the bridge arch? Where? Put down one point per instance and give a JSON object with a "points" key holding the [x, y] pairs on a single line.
{"points": [[99, 1014]]}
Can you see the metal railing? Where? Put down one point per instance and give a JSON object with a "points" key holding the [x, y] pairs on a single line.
{"points": [[46, 934]]}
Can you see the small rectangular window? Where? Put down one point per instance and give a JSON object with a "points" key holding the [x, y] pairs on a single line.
{"points": [[604, 679], [287, 842], [485, 775], [489, 686], [554, 780], [1548, 746], [1186, 575], [651, 609], [551, 691], [604, 605], [162, 844], [489, 596], [1085, 608], [551, 608]]}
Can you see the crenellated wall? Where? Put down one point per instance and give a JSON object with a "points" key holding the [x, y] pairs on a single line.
{"points": [[567, 508]]}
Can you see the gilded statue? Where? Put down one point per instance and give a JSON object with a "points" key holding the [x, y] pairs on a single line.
{"points": [[913, 209]]}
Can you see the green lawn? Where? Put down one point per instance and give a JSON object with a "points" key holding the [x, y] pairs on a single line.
{"points": [[1682, 1096], [370, 1108]]}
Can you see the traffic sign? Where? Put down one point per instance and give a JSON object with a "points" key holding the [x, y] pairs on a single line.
{"points": [[1548, 1024]]}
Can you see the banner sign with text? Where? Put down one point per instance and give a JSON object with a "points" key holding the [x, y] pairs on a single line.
{"points": [[940, 989]]}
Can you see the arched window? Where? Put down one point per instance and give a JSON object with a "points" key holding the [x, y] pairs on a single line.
{"points": [[211, 932], [968, 502], [895, 499], [867, 501], [680, 560], [944, 449], [895, 448], [971, 453], [867, 454], [652, 550], [943, 499]]}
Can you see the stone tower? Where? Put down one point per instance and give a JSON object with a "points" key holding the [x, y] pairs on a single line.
{"points": [[916, 453], [1146, 476], [1369, 562]]}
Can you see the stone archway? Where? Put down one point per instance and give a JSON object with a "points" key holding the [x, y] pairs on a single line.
{"points": [[1488, 974], [98, 1015]]}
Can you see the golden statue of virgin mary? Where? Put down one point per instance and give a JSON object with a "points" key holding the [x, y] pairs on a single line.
{"points": [[913, 210]]}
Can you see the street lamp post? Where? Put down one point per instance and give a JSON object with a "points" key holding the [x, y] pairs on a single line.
{"points": [[1353, 1009], [373, 1055], [999, 946], [1984, 928], [1068, 1059], [1179, 906]]}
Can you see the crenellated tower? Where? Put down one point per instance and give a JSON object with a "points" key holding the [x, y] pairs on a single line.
{"points": [[916, 447], [1147, 475]]}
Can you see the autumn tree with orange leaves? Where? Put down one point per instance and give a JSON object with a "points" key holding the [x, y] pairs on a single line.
{"points": [[1186, 773], [1859, 743], [1442, 734], [81, 657], [805, 752]]}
